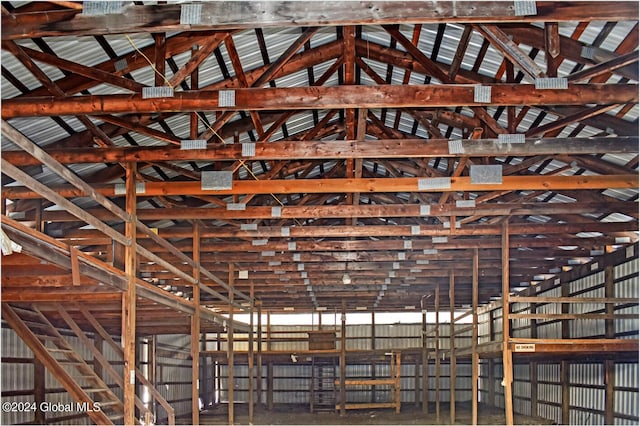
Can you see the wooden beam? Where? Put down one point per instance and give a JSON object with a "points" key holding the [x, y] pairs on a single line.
{"points": [[340, 185], [230, 349], [252, 14], [195, 330], [386, 96], [129, 299], [323, 150], [359, 211], [452, 349], [475, 358], [437, 351], [507, 362], [343, 357]]}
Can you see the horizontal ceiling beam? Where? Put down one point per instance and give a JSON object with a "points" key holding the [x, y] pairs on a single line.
{"points": [[326, 150], [349, 211], [334, 97], [350, 185], [256, 14]]}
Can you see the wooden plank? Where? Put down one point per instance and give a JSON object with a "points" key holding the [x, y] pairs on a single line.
{"points": [[452, 349], [368, 405], [333, 97], [323, 186], [437, 350], [129, 298], [343, 357], [230, 349], [575, 316], [52, 196], [565, 388], [195, 330], [250, 354], [349, 382], [574, 299], [33, 149], [474, 339], [507, 363], [255, 14], [360, 211]]}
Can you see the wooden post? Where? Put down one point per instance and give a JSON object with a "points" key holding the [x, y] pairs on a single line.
{"points": [[259, 338], [397, 386], [152, 371], [425, 360], [129, 299], [492, 364], [564, 365], [230, 352], [475, 358], [39, 384], [195, 330], [416, 381], [507, 362], [250, 355], [533, 365], [269, 366], [452, 350], [343, 358], [609, 333], [373, 348], [437, 337], [564, 380]]}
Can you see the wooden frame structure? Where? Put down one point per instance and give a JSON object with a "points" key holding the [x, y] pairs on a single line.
{"points": [[206, 160]]}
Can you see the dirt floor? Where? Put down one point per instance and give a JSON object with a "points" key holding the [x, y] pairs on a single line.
{"points": [[288, 414]]}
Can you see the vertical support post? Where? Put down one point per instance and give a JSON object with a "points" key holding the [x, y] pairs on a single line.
{"points": [[250, 355], [259, 360], [217, 380], [475, 358], [492, 364], [269, 366], [152, 371], [609, 333], [533, 365], [39, 385], [195, 330], [452, 350], [373, 348], [129, 298], [437, 337], [397, 371], [425, 362], [507, 361], [230, 352], [564, 364], [416, 381], [343, 358], [564, 380]]}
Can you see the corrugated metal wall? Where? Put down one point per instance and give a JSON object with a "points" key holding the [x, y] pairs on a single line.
{"points": [[173, 373], [291, 383], [18, 375], [586, 387]]}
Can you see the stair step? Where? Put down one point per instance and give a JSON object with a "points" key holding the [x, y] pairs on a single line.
{"points": [[95, 390], [109, 403], [25, 311], [58, 350], [116, 416], [48, 337]]}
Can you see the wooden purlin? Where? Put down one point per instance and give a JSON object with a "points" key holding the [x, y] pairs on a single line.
{"points": [[261, 14], [302, 98]]}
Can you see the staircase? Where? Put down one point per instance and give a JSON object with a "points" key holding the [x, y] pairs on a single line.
{"points": [[59, 357], [74, 374], [323, 391]]}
